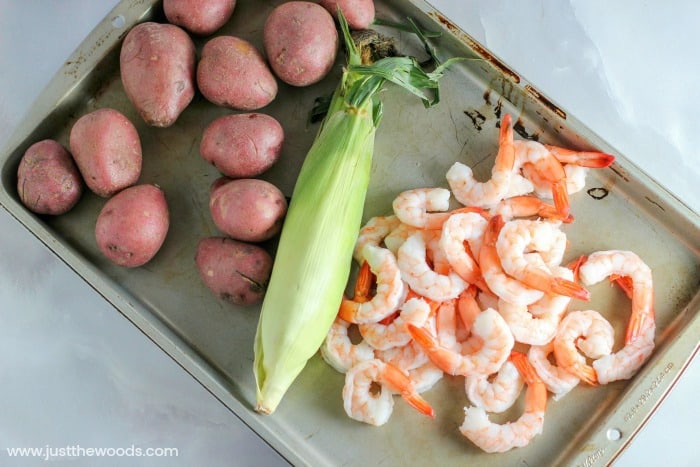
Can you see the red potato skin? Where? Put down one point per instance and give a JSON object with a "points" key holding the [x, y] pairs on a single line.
{"points": [[157, 67], [48, 181], [107, 150], [233, 73], [301, 42], [201, 17], [358, 13], [234, 271], [132, 225], [248, 209], [242, 145]]}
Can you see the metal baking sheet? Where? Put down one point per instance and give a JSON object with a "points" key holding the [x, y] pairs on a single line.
{"points": [[623, 208]]}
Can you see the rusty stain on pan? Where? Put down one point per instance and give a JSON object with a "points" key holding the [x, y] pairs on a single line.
{"points": [[546, 102]]}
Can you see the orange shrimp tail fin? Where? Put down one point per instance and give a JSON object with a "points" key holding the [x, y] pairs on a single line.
{"points": [[400, 382], [560, 195], [438, 355], [422, 336], [576, 264], [586, 373], [624, 282], [590, 159], [525, 368], [363, 283], [637, 325], [347, 310], [570, 289]]}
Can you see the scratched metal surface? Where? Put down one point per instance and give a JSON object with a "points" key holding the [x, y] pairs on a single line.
{"points": [[621, 208]]}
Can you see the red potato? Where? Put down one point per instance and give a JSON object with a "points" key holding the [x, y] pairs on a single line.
{"points": [[48, 181], [132, 225], [358, 13], [233, 73], [242, 145], [301, 42], [201, 17], [107, 150], [234, 271], [248, 209], [157, 66]]}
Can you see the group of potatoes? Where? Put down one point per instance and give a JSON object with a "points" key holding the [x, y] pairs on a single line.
{"points": [[160, 74]]}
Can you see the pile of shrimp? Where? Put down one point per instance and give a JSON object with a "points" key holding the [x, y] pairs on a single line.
{"points": [[481, 292]]}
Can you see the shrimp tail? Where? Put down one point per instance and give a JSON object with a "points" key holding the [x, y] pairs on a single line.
{"points": [[569, 288], [591, 159], [560, 195], [575, 265], [398, 380], [438, 355], [537, 391], [624, 282], [585, 373], [363, 285]]}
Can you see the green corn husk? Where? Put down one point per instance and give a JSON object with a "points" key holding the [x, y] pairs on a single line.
{"points": [[314, 255]]}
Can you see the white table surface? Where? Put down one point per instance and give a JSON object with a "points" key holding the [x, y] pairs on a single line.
{"points": [[73, 371]]}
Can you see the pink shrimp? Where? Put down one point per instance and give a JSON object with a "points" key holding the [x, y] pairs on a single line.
{"points": [[521, 235], [459, 229], [492, 437], [502, 285], [384, 336], [339, 351], [588, 331], [390, 290], [373, 233], [497, 342], [558, 381], [534, 158], [470, 192], [363, 403], [528, 206], [589, 159], [601, 264], [494, 393]]}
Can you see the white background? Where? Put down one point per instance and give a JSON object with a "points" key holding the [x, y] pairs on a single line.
{"points": [[74, 371]]}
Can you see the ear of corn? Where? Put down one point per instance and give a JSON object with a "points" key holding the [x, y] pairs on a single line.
{"points": [[314, 255]]}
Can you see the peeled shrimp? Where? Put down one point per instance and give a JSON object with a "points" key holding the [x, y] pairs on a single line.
{"points": [[536, 161], [496, 344], [588, 331], [624, 363], [373, 233], [495, 394], [406, 357], [460, 228], [537, 324], [505, 287], [363, 403], [528, 206], [558, 381], [601, 264], [522, 235], [390, 292], [421, 277], [416, 207], [339, 351], [470, 192], [492, 437], [395, 334]]}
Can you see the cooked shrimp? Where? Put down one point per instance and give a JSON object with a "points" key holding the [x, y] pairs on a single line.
{"points": [[505, 287], [492, 437], [575, 180], [522, 235], [390, 292], [363, 403], [585, 330], [528, 206], [339, 351], [537, 324], [454, 321], [495, 394], [417, 207], [468, 191], [373, 233], [384, 336], [497, 342], [400, 234], [406, 357], [558, 381], [624, 363], [599, 265], [457, 230], [591, 159], [421, 277], [534, 158]]}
